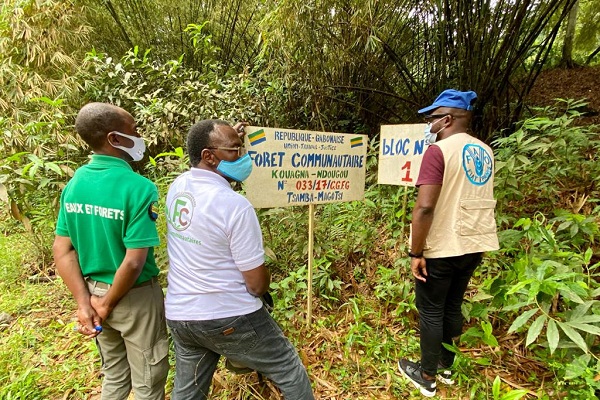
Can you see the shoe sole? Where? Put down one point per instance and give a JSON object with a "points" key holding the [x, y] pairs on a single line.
{"points": [[444, 380], [423, 391]]}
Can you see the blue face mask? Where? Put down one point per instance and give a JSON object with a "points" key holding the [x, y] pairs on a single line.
{"points": [[238, 170]]}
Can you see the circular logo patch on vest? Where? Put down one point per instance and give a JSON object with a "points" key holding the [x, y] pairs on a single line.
{"points": [[181, 210], [477, 163], [152, 212]]}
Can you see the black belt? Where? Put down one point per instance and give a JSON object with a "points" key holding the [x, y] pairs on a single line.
{"points": [[103, 285]]}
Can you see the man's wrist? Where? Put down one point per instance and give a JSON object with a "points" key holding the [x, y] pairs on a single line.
{"points": [[415, 255]]}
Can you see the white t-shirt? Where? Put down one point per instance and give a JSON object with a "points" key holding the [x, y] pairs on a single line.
{"points": [[212, 235]]}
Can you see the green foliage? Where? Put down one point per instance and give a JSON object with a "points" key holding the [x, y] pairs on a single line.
{"points": [[554, 284], [231, 27], [39, 165], [544, 279], [41, 357], [38, 63], [510, 395], [287, 292], [339, 65], [551, 160], [166, 99], [39, 43]]}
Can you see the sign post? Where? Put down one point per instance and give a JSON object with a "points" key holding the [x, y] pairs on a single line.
{"points": [[295, 167], [400, 153]]}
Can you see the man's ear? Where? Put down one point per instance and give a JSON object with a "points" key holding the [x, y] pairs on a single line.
{"points": [[208, 157], [450, 120], [112, 138]]}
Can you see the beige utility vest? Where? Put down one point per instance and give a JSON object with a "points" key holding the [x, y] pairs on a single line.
{"points": [[463, 220]]}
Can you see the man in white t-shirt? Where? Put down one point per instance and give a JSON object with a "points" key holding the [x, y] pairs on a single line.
{"points": [[217, 273]]}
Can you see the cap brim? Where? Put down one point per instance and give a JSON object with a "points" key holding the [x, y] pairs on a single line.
{"points": [[427, 109]]}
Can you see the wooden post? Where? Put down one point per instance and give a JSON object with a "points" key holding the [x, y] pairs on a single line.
{"points": [[311, 227]]}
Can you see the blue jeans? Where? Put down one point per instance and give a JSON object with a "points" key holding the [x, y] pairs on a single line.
{"points": [[439, 301], [253, 340]]}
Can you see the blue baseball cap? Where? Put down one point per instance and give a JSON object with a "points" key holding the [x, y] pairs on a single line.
{"points": [[452, 98]]}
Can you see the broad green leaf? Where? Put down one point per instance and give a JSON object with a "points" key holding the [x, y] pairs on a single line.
{"points": [[535, 329], [588, 319], [574, 229], [580, 310], [514, 394], [521, 320], [585, 327], [516, 306], [552, 335], [588, 255], [52, 166], [573, 335], [488, 337], [571, 295], [519, 286], [33, 170], [496, 388], [483, 361]]}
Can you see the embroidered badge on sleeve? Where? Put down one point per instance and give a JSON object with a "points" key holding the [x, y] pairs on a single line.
{"points": [[151, 211]]}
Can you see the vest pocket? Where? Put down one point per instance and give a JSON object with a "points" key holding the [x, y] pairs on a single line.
{"points": [[477, 217]]}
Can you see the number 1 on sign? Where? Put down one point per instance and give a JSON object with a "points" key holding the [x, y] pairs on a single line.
{"points": [[406, 167]]}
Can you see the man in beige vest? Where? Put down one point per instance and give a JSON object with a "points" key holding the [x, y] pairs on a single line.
{"points": [[453, 224]]}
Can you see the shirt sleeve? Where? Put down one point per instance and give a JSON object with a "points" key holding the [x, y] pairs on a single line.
{"points": [[432, 167], [140, 224], [246, 240], [61, 223]]}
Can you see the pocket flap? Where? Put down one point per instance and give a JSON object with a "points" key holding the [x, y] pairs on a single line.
{"points": [[158, 352], [477, 204]]}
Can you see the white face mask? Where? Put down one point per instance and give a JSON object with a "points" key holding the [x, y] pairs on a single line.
{"points": [[137, 151], [431, 138]]}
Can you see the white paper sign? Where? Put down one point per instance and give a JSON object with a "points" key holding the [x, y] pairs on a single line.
{"points": [[295, 167], [400, 153]]}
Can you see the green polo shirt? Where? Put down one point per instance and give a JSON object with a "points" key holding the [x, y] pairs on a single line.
{"points": [[106, 208]]}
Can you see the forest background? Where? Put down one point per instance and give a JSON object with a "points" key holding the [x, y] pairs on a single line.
{"points": [[532, 309]]}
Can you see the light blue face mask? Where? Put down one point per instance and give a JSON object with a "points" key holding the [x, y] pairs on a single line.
{"points": [[238, 170]]}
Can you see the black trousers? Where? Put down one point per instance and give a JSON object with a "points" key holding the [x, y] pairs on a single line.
{"points": [[439, 301]]}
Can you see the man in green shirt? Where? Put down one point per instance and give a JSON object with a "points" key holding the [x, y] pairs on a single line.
{"points": [[103, 251]]}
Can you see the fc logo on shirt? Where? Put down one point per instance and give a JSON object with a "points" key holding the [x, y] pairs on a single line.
{"points": [[180, 211], [477, 163]]}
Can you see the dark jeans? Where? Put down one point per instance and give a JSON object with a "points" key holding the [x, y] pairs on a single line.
{"points": [[253, 340], [439, 302]]}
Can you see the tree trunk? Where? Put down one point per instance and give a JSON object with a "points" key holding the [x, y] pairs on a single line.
{"points": [[567, 50], [591, 56]]}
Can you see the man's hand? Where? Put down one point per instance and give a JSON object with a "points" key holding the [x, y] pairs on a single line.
{"points": [[419, 268], [88, 320], [101, 307], [239, 128]]}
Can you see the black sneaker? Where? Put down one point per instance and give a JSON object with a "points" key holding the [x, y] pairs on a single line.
{"points": [[412, 371], [444, 374]]}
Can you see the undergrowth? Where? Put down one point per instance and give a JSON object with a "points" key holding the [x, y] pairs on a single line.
{"points": [[532, 311]]}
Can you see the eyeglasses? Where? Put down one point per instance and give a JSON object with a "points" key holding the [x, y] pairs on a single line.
{"points": [[435, 116], [240, 150]]}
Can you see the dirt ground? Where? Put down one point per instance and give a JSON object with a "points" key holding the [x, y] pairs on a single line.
{"points": [[577, 83]]}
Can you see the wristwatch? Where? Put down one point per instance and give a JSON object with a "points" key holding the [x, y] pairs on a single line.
{"points": [[413, 255]]}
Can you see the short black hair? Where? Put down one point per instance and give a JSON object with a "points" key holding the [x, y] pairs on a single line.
{"points": [[95, 120], [199, 138]]}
